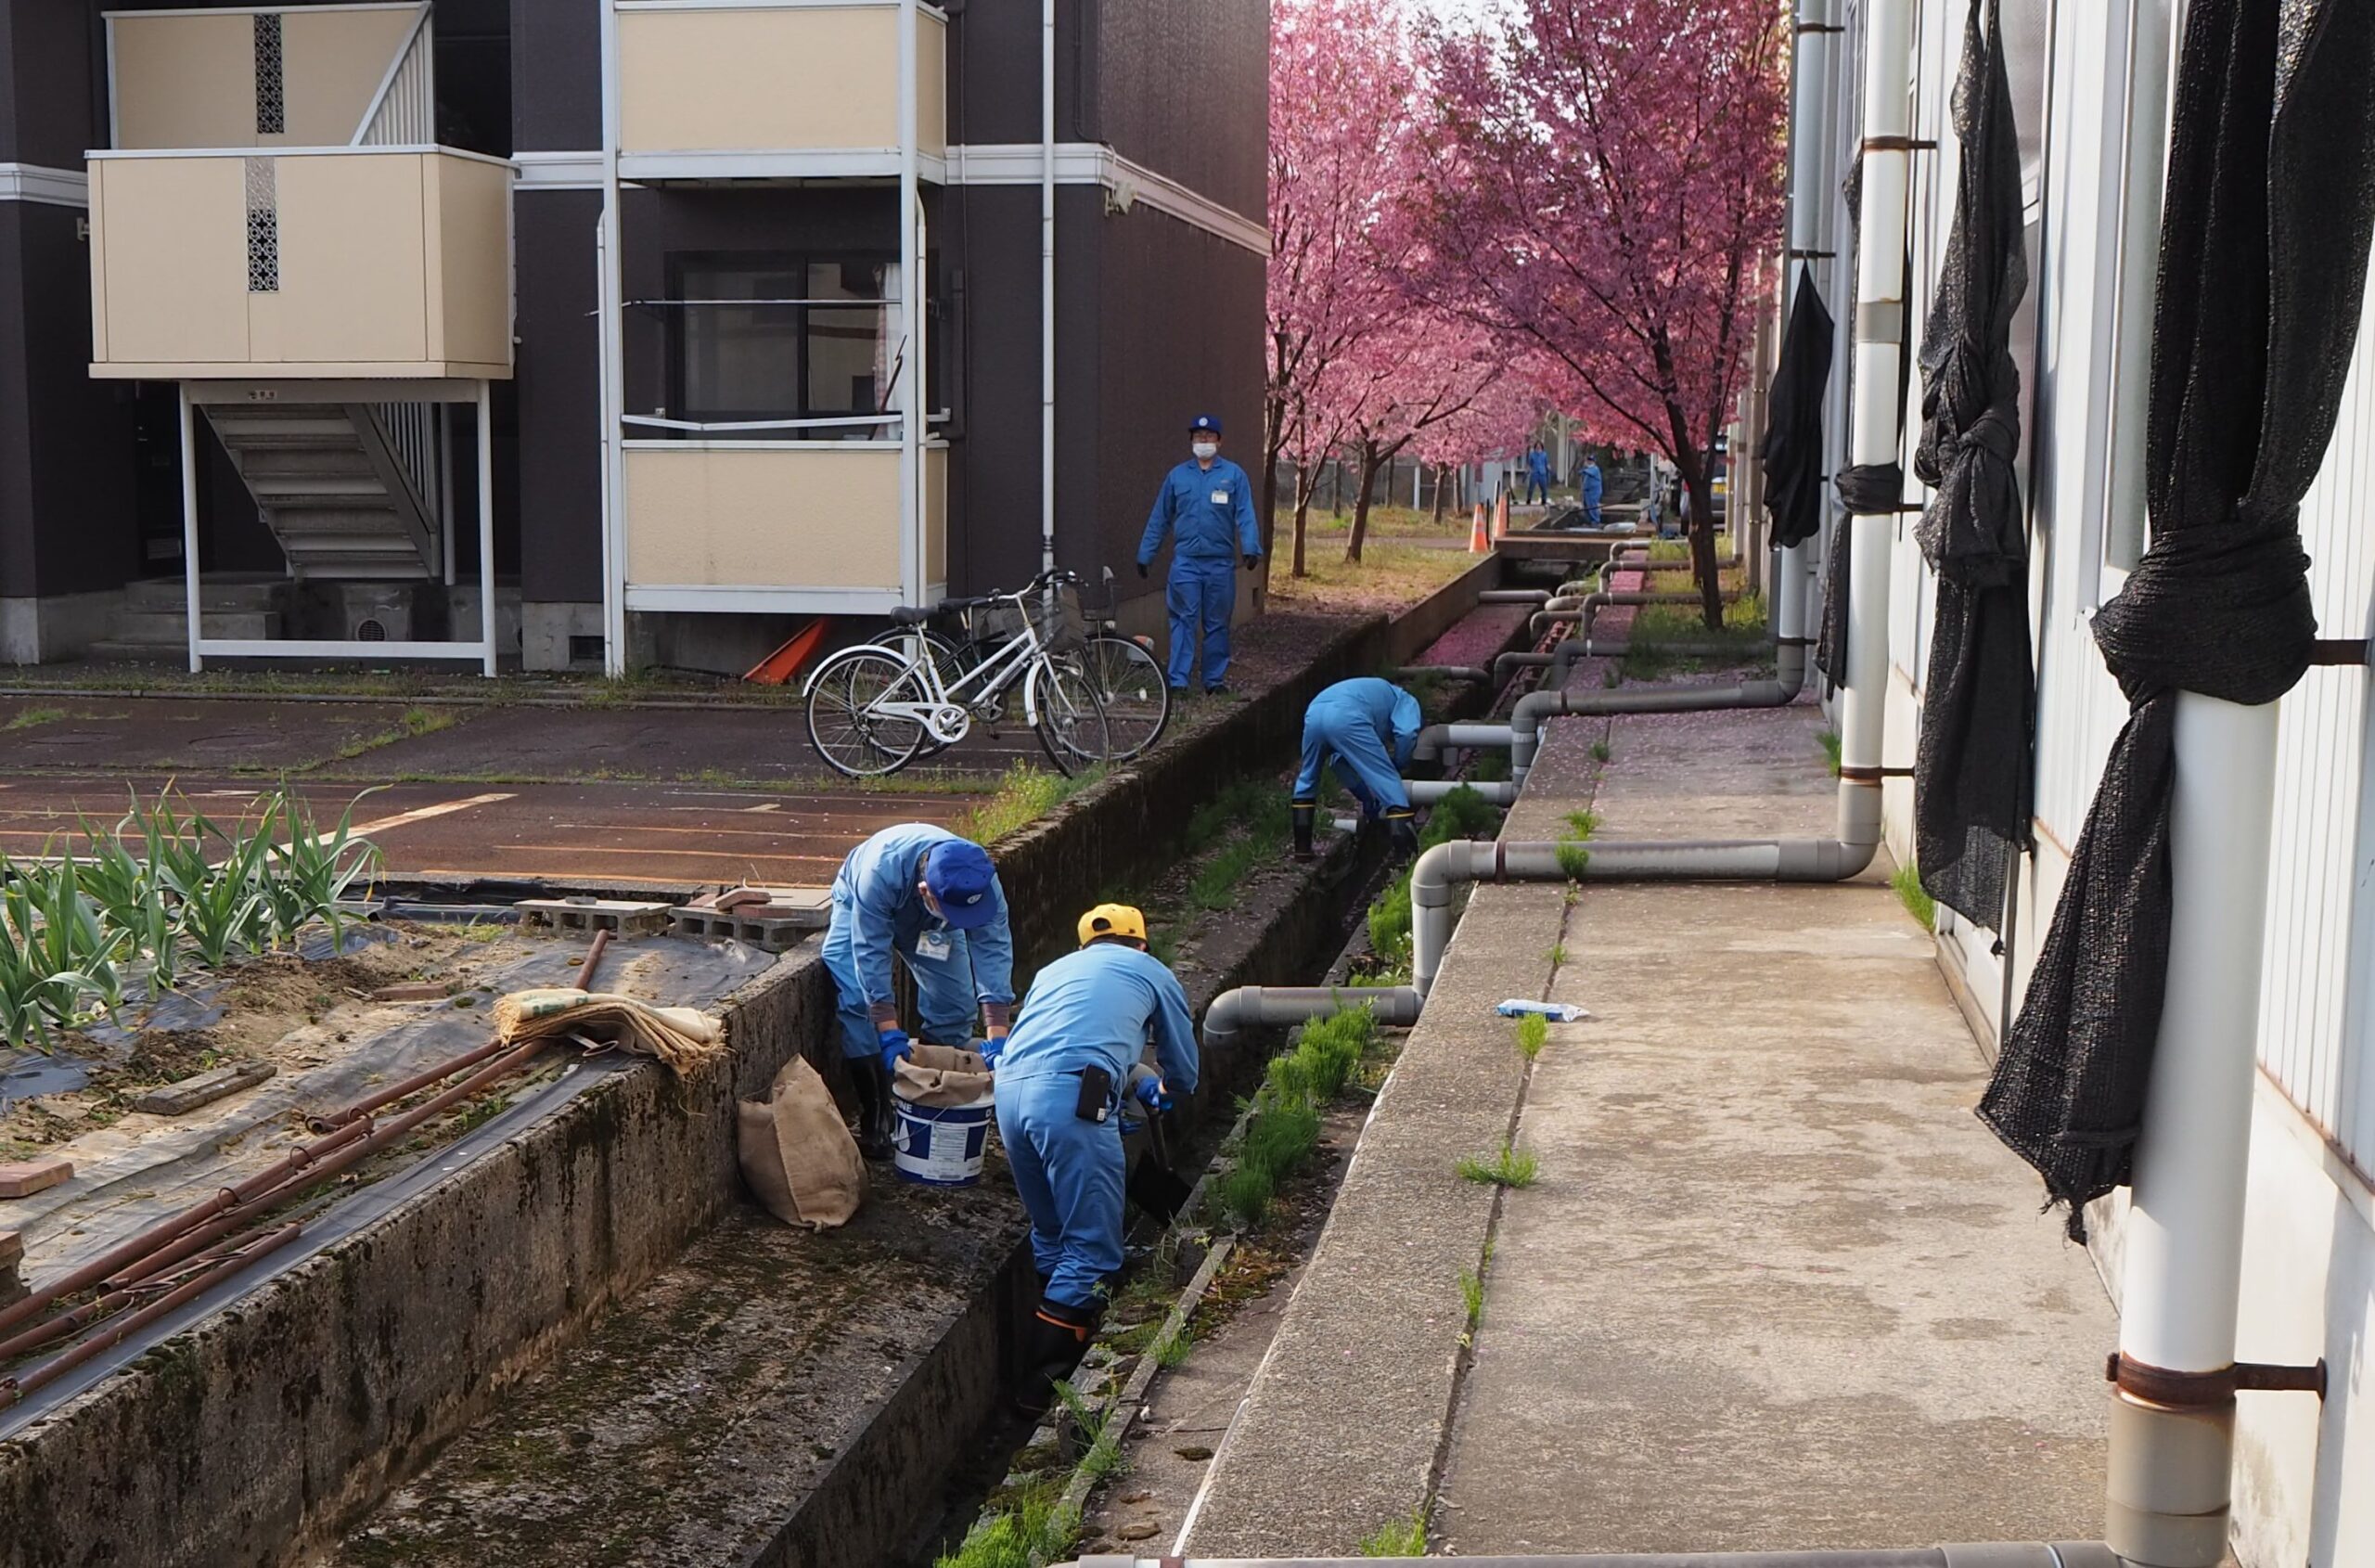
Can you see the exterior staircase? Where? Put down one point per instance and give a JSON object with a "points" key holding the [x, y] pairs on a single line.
{"points": [[336, 490], [153, 624]]}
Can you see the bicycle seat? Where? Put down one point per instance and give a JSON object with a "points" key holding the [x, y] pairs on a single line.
{"points": [[909, 615]]}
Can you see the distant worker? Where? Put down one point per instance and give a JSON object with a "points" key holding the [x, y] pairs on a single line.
{"points": [[933, 900], [1209, 503], [1589, 482], [1537, 475], [1371, 727], [1061, 1078]]}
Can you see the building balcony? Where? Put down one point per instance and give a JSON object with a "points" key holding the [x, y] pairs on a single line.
{"points": [[273, 205], [799, 527], [356, 263], [799, 91]]}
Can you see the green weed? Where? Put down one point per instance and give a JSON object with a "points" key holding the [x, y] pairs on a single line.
{"points": [[1600, 752], [1023, 795], [1906, 880], [1582, 823], [1510, 1167], [1533, 1033], [1575, 861], [1471, 1293], [1407, 1538], [32, 718], [1828, 740], [1556, 953]]}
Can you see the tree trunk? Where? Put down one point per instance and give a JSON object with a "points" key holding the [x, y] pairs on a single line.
{"points": [[1274, 443], [1440, 477], [1704, 571], [1369, 460]]}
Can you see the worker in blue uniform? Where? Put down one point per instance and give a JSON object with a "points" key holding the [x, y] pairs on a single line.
{"points": [[1537, 475], [932, 900], [1208, 503], [1370, 727], [1061, 1078], [1590, 483]]}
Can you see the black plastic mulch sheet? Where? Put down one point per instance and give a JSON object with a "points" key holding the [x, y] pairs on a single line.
{"points": [[1792, 449], [2264, 244], [1970, 770]]}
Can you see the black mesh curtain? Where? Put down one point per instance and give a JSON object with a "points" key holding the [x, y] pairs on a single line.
{"points": [[1970, 771], [2264, 242], [1792, 449]]}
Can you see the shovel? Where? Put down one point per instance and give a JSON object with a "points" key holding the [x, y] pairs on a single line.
{"points": [[1154, 1186]]}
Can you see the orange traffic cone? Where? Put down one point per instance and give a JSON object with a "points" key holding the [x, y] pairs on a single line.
{"points": [[1479, 540], [1501, 516]]}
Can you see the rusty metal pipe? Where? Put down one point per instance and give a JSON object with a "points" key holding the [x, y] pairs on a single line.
{"points": [[14, 1389]]}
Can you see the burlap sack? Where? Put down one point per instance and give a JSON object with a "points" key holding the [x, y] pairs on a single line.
{"points": [[678, 1036], [942, 1075], [797, 1153]]}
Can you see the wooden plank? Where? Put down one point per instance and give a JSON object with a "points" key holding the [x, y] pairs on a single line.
{"points": [[188, 1094]]}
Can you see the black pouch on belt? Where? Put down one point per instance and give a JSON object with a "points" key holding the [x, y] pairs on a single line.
{"points": [[1096, 1095]]}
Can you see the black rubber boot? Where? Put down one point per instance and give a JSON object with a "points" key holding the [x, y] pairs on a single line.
{"points": [[873, 1087], [1303, 812], [1054, 1339], [1402, 829]]}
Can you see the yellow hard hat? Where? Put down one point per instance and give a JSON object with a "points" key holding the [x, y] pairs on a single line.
{"points": [[1113, 920]]}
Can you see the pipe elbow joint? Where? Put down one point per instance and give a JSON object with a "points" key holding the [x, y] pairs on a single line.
{"points": [[1432, 874]]}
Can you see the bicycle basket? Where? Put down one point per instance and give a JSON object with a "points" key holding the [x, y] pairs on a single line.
{"points": [[993, 623], [1061, 624]]}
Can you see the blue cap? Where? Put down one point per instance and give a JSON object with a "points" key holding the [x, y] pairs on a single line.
{"points": [[1205, 422], [960, 877]]}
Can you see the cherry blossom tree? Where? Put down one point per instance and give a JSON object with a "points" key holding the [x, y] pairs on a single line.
{"points": [[1398, 383], [1597, 181], [1344, 118]]}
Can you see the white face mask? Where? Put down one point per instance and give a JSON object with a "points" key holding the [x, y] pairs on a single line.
{"points": [[1205, 451]]}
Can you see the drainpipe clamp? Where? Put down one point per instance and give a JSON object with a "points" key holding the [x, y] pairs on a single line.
{"points": [[2181, 1391]]}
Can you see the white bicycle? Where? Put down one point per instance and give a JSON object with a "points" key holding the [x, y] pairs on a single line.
{"points": [[873, 709]]}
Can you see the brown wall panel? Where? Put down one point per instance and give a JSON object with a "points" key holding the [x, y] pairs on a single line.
{"points": [[558, 387]]}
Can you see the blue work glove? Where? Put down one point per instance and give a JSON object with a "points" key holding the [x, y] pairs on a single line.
{"points": [[895, 1045], [1252, 563], [1151, 1093], [988, 1049]]}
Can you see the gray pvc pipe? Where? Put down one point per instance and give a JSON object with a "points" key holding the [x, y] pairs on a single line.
{"points": [[1564, 657], [1446, 672], [1486, 860], [1593, 603], [1436, 737], [1525, 719], [1992, 1554], [1272, 1006], [1427, 792], [1513, 596]]}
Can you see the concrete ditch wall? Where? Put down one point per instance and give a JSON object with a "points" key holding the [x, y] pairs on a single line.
{"points": [[277, 1419]]}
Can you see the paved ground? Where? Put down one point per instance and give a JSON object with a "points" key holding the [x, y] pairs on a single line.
{"points": [[664, 790], [1776, 1287]]}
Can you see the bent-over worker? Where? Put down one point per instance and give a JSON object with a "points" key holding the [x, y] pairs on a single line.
{"points": [[1061, 1078], [1371, 727], [933, 900], [1208, 503]]}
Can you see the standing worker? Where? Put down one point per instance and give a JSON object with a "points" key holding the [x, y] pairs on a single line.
{"points": [[1061, 1078], [1371, 727], [1589, 482], [933, 900], [1537, 475], [1209, 502]]}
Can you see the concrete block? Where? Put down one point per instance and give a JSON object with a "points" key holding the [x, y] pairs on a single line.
{"points": [[625, 917], [188, 1094], [28, 1176]]}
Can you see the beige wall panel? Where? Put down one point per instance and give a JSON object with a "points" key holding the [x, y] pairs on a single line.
{"points": [[806, 518], [932, 83], [468, 206], [98, 243], [175, 250], [331, 65], [935, 514], [751, 80], [352, 280], [188, 81]]}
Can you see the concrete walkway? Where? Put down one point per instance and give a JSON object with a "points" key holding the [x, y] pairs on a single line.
{"points": [[1776, 1287]]}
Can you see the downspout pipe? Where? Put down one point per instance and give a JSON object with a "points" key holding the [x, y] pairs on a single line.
{"points": [[1279, 1006], [1525, 719], [1046, 287], [1449, 865], [1427, 792]]}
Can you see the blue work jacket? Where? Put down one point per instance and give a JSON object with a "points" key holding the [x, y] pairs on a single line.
{"points": [[1210, 509], [875, 891], [1364, 702], [1095, 1008], [1591, 483]]}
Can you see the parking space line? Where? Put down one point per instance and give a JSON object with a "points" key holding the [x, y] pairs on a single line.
{"points": [[422, 813]]}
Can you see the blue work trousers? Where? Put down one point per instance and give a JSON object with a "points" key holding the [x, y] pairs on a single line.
{"points": [[1069, 1173], [944, 992], [1201, 595], [1538, 490], [1363, 767]]}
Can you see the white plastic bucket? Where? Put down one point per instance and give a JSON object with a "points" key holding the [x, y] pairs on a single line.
{"points": [[942, 1145]]}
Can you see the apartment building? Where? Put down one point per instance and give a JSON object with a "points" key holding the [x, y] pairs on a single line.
{"points": [[659, 326], [2090, 90]]}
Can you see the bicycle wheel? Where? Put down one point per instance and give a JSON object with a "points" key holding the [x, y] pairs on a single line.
{"points": [[1137, 697], [1071, 716], [844, 724]]}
